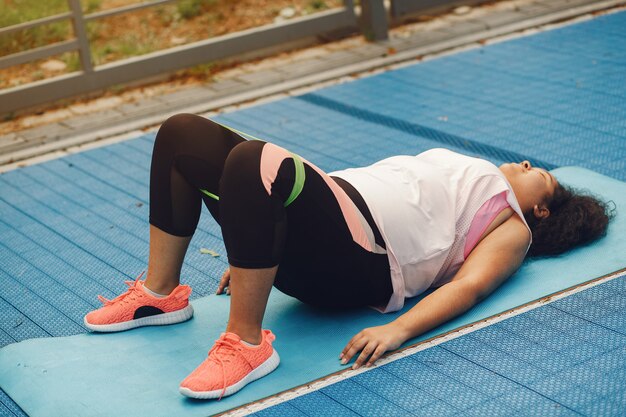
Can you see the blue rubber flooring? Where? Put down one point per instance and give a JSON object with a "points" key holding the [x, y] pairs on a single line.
{"points": [[567, 358], [72, 228]]}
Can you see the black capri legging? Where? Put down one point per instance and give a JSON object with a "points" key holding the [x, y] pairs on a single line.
{"points": [[249, 188]]}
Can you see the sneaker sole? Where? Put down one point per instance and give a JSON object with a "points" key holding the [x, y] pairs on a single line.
{"points": [[265, 368], [156, 320]]}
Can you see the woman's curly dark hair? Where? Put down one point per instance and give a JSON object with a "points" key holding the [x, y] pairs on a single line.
{"points": [[575, 219]]}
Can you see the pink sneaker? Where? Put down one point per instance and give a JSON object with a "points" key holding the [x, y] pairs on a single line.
{"points": [[231, 365], [136, 308]]}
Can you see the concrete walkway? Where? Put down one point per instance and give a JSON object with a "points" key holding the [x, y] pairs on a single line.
{"points": [[61, 131]]}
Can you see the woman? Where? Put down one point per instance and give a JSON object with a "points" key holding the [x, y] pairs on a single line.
{"points": [[359, 237]]}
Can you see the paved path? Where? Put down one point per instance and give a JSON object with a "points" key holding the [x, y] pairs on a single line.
{"points": [[282, 76]]}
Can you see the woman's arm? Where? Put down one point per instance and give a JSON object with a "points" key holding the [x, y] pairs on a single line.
{"points": [[491, 262]]}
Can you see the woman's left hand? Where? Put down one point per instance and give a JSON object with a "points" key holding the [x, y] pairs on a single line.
{"points": [[224, 283], [372, 343]]}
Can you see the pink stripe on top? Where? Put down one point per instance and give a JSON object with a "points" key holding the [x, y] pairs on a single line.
{"points": [[483, 218], [271, 158]]}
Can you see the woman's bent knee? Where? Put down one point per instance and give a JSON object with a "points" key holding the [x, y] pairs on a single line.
{"points": [[190, 133], [181, 126]]}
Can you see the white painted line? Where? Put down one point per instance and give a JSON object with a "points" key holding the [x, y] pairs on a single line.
{"points": [[70, 150]]}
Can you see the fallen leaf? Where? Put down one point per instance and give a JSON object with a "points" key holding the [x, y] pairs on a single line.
{"points": [[206, 251]]}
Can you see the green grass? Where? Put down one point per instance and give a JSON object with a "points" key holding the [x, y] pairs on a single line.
{"points": [[90, 6], [191, 8], [316, 6], [106, 47], [126, 48], [27, 10], [19, 11]]}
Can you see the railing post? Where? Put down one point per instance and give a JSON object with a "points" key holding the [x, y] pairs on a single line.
{"points": [[81, 34], [349, 6], [374, 25]]}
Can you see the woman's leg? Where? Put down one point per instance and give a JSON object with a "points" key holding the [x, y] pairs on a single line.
{"points": [[249, 291], [257, 192], [254, 181], [319, 236], [189, 155], [252, 220], [253, 226], [165, 260]]}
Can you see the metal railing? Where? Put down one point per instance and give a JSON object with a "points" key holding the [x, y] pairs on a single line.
{"points": [[92, 78], [373, 22]]}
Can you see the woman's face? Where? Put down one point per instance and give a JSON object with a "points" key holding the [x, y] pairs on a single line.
{"points": [[533, 187]]}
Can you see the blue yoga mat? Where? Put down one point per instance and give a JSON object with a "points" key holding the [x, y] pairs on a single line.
{"points": [[136, 373]]}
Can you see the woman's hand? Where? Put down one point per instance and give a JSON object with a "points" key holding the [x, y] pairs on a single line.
{"points": [[372, 343], [224, 283]]}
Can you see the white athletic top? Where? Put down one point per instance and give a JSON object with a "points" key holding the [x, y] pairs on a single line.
{"points": [[423, 206]]}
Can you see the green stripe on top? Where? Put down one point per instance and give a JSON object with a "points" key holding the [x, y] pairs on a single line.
{"points": [[213, 196], [239, 132], [298, 183]]}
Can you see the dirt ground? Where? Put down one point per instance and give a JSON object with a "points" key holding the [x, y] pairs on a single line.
{"points": [[156, 28]]}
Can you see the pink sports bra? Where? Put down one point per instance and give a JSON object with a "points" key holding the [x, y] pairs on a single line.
{"points": [[483, 218]]}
